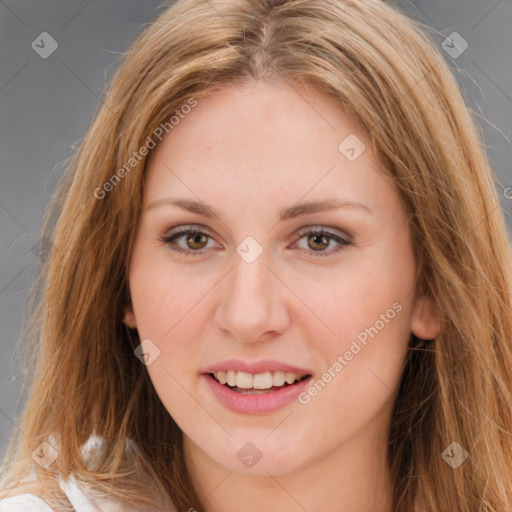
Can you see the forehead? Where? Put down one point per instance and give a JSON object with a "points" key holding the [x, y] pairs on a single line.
{"points": [[265, 142]]}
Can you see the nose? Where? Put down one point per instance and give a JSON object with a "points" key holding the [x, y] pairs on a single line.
{"points": [[253, 302]]}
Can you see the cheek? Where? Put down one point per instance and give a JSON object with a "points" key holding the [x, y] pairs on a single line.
{"points": [[169, 304], [164, 295], [367, 311], [344, 301], [362, 365]]}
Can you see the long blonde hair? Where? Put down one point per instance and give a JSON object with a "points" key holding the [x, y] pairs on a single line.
{"points": [[382, 67]]}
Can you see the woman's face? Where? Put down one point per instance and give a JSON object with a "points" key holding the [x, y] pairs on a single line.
{"points": [[273, 283]]}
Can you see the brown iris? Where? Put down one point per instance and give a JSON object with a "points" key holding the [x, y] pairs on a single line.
{"points": [[324, 241], [195, 237]]}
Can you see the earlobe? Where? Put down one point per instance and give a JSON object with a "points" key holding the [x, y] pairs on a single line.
{"points": [[426, 318], [129, 317]]}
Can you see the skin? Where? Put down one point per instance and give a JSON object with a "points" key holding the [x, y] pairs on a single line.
{"points": [[250, 151]]}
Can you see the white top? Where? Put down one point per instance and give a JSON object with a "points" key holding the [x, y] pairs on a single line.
{"points": [[80, 502], [70, 487]]}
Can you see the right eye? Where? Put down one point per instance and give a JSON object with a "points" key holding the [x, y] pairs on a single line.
{"points": [[195, 240]]}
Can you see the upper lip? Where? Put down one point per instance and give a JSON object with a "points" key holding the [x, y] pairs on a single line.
{"points": [[265, 365]]}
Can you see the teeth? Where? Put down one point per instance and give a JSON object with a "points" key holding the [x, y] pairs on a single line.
{"points": [[265, 380], [262, 381], [243, 380], [231, 378], [290, 377], [278, 378]]}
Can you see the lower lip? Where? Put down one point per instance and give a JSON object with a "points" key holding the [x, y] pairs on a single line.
{"points": [[256, 404]]}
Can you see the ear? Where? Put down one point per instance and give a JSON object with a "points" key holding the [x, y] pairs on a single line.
{"points": [[129, 317], [426, 318]]}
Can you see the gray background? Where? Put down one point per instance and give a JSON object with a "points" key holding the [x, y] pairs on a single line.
{"points": [[47, 104]]}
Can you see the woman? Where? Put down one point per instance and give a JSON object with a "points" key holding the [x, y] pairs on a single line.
{"points": [[278, 259]]}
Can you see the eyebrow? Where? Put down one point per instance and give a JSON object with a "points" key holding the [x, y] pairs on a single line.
{"points": [[285, 214]]}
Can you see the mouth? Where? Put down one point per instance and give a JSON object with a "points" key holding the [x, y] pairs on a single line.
{"points": [[257, 384]]}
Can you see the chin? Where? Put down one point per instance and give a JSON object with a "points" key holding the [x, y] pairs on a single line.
{"points": [[258, 455]]}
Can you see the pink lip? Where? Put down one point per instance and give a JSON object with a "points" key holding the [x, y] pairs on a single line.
{"points": [[265, 365], [256, 404]]}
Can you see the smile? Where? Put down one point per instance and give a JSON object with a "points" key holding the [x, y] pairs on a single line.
{"points": [[248, 399], [260, 383]]}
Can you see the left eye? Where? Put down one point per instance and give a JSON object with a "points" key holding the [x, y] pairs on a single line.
{"points": [[196, 240], [319, 239]]}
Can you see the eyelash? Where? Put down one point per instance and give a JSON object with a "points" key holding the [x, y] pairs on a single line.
{"points": [[170, 238]]}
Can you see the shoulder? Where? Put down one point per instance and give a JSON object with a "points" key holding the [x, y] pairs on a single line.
{"points": [[72, 487], [31, 503], [74, 493]]}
